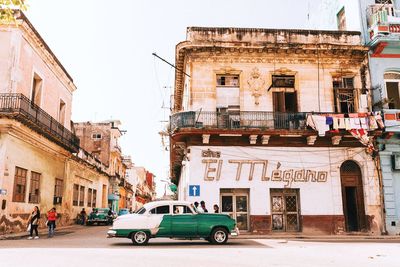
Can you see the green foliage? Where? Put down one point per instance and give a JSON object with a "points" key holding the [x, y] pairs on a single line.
{"points": [[7, 8]]}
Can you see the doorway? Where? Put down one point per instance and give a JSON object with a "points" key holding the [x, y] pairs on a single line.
{"points": [[285, 210], [352, 196], [235, 203]]}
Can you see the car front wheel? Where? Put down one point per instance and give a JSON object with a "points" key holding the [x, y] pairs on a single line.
{"points": [[140, 238], [219, 236]]}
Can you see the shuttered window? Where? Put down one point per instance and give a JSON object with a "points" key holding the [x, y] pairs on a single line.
{"points": [[34, 188], [19, 184]]}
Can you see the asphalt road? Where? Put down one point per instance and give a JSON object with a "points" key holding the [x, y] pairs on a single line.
{"points": [[89, 246]]}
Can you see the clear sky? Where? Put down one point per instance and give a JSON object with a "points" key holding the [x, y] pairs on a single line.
{"points": [[106, 47]]}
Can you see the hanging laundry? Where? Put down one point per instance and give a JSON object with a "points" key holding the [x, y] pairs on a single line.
{"points": [[310, 121], [373, 125], [364, 123], [347, 123], [342, 124], [336, 123], [329, 120], [318, 123], [379, 120]]}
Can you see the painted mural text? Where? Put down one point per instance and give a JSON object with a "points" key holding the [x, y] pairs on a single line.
{"points": [[213, 167]]}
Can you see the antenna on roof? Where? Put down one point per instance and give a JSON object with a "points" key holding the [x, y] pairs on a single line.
{"points": [[172, 65]]}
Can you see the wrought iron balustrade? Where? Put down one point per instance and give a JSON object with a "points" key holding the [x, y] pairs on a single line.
{"points": [[239, 119], [21, 108]]}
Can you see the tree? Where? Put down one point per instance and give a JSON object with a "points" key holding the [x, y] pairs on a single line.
{"points": [[7, 7]]}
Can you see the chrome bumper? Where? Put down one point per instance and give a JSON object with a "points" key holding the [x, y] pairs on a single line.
{"points": [[235, 232], [111, 233]]}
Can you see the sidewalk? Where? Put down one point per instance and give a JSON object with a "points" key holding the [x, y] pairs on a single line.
{"points": [[42, 232], [302, 237]]}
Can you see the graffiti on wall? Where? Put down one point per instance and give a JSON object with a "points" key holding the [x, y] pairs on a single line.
{"points": [[213, 166]]}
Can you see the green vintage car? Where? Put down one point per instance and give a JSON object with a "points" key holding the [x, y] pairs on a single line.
{"points": [[173, 219], [100, 216]]}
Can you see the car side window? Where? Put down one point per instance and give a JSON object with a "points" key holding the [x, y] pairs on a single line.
{"points": [[160, 210], [182, 209]]}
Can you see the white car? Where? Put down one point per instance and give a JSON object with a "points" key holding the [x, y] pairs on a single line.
{"points": [[173, 219]]}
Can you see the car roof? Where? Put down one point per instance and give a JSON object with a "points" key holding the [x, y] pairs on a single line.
{"points": [[154, 204]]}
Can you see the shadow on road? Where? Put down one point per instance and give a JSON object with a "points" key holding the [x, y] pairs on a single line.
{"points": [[193, 244]]}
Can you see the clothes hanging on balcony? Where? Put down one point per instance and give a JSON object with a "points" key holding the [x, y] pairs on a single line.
{"points": [[318, 123], [362, 136]]}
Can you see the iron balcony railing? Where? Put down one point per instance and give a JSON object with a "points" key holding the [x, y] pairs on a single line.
{"points": [[239, 119], [19, 107]]}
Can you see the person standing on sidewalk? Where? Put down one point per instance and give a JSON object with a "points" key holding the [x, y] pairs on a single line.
{"points": [[83, 216], [34, 222], [51, 221]]}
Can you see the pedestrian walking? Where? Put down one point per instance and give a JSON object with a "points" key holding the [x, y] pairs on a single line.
{"points": [[203, 206], [51, 221], [33, 223], [216, 208], [83, 216]]}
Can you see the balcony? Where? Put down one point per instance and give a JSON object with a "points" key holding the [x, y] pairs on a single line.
{"points": [[239, 120], [384, 32], [19, 107], [392, 120]]}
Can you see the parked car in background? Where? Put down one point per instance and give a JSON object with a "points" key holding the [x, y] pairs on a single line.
{"points": [[173, 219], [100, 216], [123, 212]]}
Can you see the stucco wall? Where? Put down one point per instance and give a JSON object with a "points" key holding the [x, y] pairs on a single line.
{"points": [[317, 198], [203, 85]]}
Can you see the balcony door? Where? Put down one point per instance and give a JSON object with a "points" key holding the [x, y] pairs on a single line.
{"points": [[284, 101]]}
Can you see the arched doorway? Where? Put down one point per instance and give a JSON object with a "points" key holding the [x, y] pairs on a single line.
{"points": [[352, 196]]}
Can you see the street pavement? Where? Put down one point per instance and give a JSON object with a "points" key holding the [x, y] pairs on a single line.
{"points": [[81, 245]]}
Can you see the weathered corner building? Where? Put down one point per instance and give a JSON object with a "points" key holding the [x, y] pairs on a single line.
{"points": [[41, 163], [264, 124], [100, 139]]}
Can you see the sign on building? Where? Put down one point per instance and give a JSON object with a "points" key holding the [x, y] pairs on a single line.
{"points": [[194, 190]]}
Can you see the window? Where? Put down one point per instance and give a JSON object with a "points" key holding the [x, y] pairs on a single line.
{"points": [[36, 93], [182, 209], [19, 184], [160, 210], [58, 190], [81, 195], [61, 112], [94, 198], [34, 189], [89, 197], [96, 136], [341, 20], [75, 195], [344, 94], [141, 211], [228, 80], [392, 81], [283, 81]]}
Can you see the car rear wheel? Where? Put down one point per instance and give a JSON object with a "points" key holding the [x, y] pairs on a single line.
{"points": [[140, 238], [219, 236]]}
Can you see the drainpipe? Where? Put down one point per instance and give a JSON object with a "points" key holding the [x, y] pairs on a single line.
{"points": [[377, 161]]}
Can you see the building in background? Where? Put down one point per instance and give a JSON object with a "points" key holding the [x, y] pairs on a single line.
{"points": [[41, 162], [379, 22], [274, 126], [145, 191], [101, 140]]}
